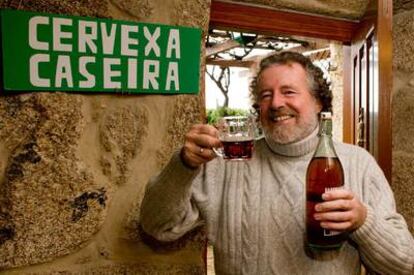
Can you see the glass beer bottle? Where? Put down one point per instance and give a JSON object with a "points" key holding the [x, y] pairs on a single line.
{"points": [[324, 173]]}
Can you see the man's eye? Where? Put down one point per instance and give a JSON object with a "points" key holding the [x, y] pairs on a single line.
{"points": [[289, 92], [265, 95]]}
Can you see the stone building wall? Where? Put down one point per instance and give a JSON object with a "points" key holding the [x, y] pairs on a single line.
{"points": [[353, 9], [336, 72], [73, 167], [403, 109]]}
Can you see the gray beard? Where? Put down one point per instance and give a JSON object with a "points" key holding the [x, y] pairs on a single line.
{"points": [[287, 135]]}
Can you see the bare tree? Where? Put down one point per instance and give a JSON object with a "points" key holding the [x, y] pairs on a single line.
{"points": [[222, 80]]}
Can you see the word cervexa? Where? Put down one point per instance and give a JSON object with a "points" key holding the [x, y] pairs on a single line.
{"points": [[110, 55]]}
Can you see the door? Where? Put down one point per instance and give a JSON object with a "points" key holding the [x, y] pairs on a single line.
{"points": [[368, 84]]}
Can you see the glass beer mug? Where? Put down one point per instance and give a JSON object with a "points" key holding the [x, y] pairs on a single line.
{"points": [[237, 134]]}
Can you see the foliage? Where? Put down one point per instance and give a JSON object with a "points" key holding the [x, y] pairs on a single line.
{"points": [[213, 115]]}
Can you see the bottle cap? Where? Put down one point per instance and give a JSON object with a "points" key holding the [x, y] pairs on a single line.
{"points": [[326, 115]]}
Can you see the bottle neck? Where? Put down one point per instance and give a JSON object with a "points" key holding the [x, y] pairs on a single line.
{"points": [[325, 146], [325, 127]]}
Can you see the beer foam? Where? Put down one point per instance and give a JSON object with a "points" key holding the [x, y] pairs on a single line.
{"points": [[236, 139]]}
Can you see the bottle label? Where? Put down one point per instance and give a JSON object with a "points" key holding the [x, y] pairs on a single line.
{"points": [[327, 232]]}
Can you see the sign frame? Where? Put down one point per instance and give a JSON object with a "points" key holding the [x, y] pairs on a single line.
{"points": [[50, 52]]}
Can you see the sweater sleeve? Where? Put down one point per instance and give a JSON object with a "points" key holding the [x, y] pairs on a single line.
{"points": [[168, 210], [385, 243]]}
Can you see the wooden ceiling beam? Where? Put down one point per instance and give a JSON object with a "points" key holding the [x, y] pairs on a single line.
{"points": [[319, 55], [225, 46], [231, 63], [247, 18]]}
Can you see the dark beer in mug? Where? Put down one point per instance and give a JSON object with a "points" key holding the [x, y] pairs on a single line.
{"points": [[324, 173], [237, 134], [238, 149]]}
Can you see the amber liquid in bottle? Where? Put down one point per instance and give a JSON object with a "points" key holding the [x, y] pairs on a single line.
{"points": [[324, 173]]}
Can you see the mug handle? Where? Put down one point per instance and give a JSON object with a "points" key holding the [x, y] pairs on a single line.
{"points": [[218, 151]]}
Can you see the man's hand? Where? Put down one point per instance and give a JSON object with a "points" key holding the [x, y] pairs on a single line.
{"points": [[340, 211], [198, 143]]}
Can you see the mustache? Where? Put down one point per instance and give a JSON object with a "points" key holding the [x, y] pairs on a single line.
{"points": [[274, 113]]}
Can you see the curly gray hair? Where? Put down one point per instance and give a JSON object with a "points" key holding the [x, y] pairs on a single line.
{"points": [[318, 85]]}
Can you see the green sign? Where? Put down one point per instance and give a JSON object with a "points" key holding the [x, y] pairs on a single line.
{"points": [[53, 52]]}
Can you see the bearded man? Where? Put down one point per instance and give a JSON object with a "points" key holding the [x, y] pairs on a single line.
{"points": [[255, 210]]}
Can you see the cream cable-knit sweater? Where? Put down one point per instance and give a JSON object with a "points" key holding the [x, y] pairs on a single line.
{"points": [[255, 212]]}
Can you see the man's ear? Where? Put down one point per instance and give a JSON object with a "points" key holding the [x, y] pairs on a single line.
{"points": [[256, 108], [319, 106], [255, 111]]}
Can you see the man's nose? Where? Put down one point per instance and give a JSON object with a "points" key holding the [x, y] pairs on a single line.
{"points": [[277, 101]]}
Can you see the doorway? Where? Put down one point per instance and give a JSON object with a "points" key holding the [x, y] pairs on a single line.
{"points": [[367, 66], [232, 59], [374, 26]]}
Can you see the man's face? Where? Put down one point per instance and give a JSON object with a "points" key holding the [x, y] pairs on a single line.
{"points": [[288, 111]]}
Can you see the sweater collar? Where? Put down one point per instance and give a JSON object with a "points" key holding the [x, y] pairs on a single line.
{"points": [[295, 149]]}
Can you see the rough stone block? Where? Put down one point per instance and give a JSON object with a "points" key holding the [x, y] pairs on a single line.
{"points": [[126, 268], [141, 10], [94, 8], [191, 13], [403, 185], [186, 113], [403, 41], [121, 135], [347, 9], [402, 5], [50, 203], [403, 116]]}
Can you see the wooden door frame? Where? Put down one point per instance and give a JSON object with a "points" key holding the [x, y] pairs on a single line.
{"points": [[244, 17], [349, 110], [384, 38], [264, 20], [382, 21]]}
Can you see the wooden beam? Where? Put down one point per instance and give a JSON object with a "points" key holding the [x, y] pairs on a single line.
{"points": [[311, 47], [384, 36], [242, 17], [229, 44], [348, 98], [230, 63], [319, 55]]}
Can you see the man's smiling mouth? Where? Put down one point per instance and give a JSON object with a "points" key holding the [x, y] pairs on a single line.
{"points": [[279, 118]]}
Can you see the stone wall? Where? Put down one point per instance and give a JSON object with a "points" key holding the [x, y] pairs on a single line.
{"points": [[403, 109], [336, 72], [73, 167], [353, 9]]}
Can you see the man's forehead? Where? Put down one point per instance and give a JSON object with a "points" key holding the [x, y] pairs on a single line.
{"points": [[290, 66]]}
